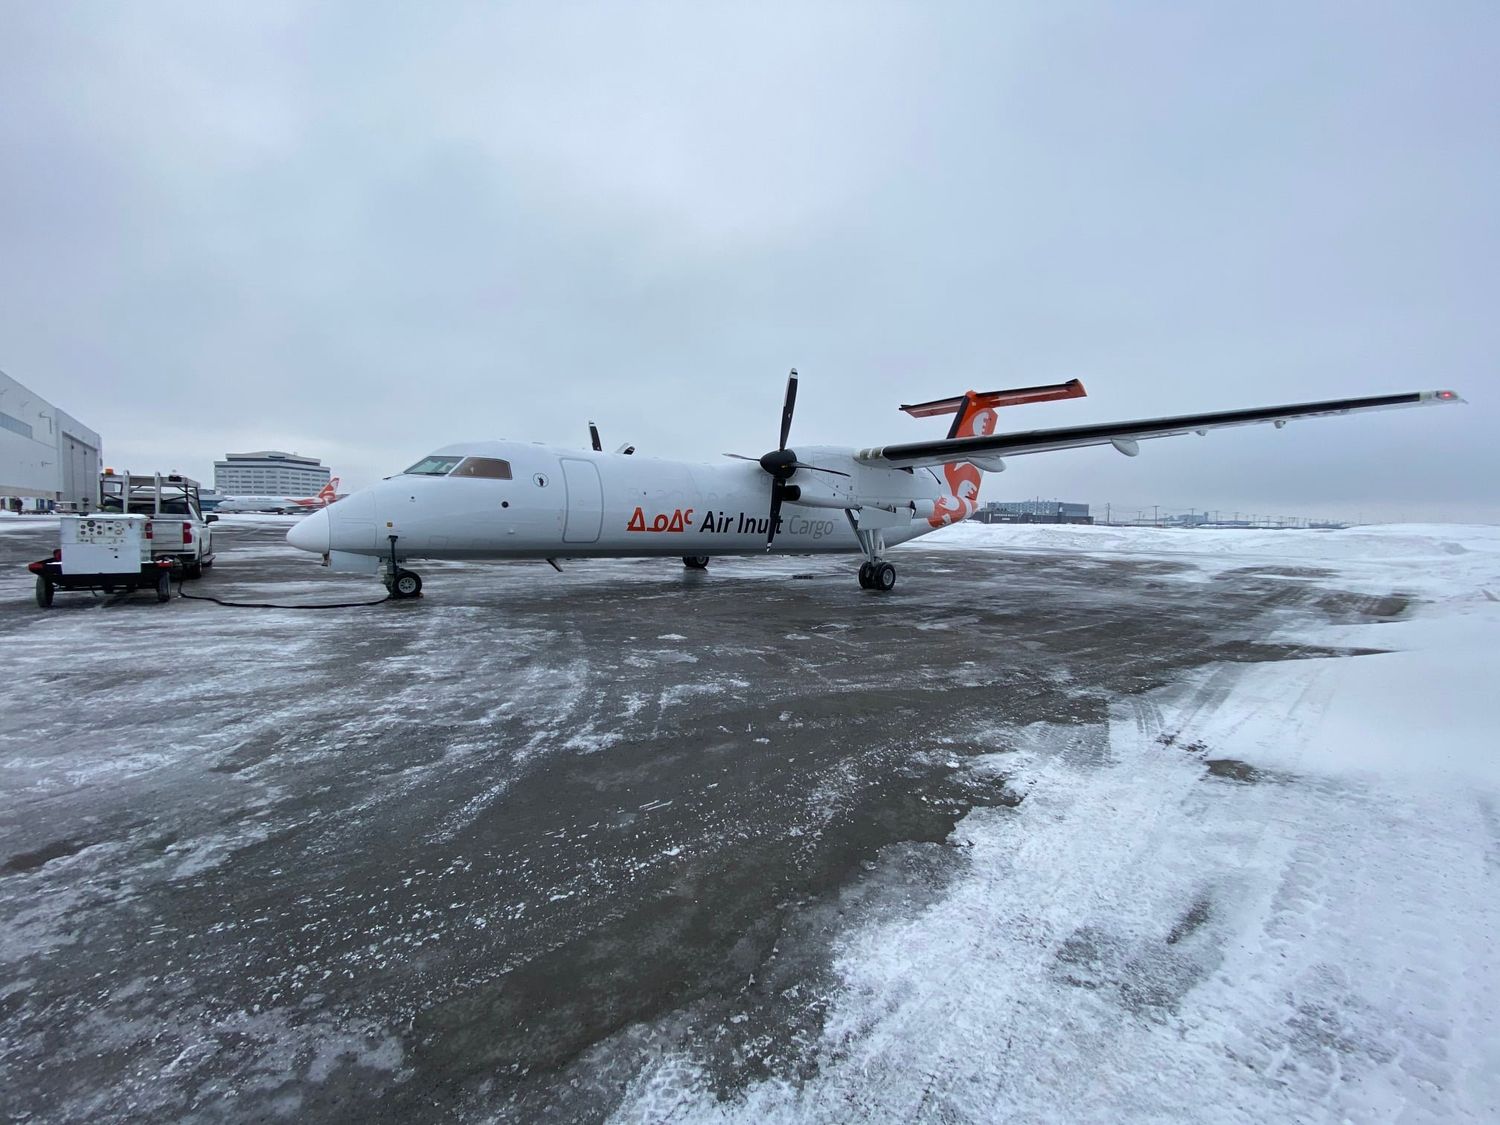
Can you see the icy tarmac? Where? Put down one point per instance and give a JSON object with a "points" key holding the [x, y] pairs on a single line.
{"points": [[1077, 824]]}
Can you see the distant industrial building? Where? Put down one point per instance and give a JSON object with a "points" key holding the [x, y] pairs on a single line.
{"points": [[269, 472], [47, 457], [1033, 511]]}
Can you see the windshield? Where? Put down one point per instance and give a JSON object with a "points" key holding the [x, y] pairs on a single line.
{"points": [[433, 467], [489, 467]]}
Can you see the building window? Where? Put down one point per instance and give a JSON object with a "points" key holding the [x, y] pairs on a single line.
{"points": [[15, 425]]}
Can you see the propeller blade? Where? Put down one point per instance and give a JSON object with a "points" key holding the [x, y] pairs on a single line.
{"points": [[741, 457], [788, 407], [776, 487], [594, 437], [819, 469]]}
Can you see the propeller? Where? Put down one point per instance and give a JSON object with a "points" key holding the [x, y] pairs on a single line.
{"points": [[782, 462]]}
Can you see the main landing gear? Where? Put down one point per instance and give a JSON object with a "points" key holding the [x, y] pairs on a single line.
{"points": [[695, 562], [877, 576], [874, 573]]}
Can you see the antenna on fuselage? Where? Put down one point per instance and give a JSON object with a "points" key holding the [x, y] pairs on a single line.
{"points": [[594, 437]]}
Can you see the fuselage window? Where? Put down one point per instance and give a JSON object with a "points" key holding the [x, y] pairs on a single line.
{"points": [[488, 467], [433, 467]]}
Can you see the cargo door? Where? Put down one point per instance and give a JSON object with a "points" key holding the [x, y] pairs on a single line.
{"points": [[585, 501]]}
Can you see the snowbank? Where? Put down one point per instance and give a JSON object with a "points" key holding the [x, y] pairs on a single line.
{"points": [[1272, 895]]}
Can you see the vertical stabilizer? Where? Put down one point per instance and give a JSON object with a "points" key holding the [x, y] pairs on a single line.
{"points": [[975, 414]]}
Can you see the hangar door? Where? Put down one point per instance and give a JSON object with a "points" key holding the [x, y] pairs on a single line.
{"points": [[585, 502], [80, 471]]}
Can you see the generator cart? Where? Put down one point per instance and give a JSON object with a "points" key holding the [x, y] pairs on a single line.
{"points": [[105, 552]]}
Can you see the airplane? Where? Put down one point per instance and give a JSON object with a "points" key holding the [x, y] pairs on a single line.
{"points": [[281, 504], [519, 500]]}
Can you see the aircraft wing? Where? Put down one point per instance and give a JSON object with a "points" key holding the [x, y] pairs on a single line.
{"points": [[1124, 435]]}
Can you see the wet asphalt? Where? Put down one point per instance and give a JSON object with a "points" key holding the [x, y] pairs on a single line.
{"points": [[479, 855]]}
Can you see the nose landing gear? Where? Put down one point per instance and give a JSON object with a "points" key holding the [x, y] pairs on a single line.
{"points": [[695, 562], [407, 584], [401, 583]]}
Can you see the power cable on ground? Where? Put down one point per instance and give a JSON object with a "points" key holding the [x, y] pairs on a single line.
{"points": [[181, 593]]}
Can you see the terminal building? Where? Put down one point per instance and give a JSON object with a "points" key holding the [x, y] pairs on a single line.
{"points": [[48, 458], [269, 472], [1033, 511]]}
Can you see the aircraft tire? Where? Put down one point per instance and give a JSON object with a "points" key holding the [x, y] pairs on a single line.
{"points": [[408, 584], [695, 562], [884, 576], [43, 592]]}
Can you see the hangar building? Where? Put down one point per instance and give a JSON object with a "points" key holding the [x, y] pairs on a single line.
{"points": [[1033, 511], [47, 457]]}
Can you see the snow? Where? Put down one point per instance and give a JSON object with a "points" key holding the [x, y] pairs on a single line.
{"points": [[1271, 892]]}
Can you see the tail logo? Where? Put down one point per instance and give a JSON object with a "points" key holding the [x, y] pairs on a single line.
{"points": [[963, 479]]}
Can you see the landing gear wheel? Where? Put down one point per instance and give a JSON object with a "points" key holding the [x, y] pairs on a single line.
{"points": [[883, 577], [695, 562], [43, 591], [164, 586], [866, 582], [408, 584]]}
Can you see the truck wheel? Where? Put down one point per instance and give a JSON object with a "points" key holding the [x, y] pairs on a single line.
{"points": [[164, 586], [43, 591], [193, 570]]}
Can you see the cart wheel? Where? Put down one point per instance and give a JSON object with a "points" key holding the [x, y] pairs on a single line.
{"points": [[43, 591], [164, 586]]}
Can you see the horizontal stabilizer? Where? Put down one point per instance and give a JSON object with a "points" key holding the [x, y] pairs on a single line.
{"points": [[1017, 397]]}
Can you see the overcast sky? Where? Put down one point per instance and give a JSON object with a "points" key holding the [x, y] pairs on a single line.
{"points": [[363, 231]]}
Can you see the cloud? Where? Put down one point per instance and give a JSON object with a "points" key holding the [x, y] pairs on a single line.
{"points": [[368, 231]]}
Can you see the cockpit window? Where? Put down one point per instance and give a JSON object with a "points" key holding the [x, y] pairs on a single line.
{"points": [[488, 467], [433, 467]]}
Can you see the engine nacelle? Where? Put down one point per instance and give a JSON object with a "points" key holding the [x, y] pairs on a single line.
{"points": [[796, 494], [923, 509]]}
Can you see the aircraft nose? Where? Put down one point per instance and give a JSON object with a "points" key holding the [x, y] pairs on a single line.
{"points": [[311, 533]]}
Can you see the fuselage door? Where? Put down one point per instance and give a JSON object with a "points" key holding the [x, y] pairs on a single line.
{"points": [[585, 501]]}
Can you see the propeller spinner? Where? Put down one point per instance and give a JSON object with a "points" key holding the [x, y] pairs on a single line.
{"points": [[782, 462]]}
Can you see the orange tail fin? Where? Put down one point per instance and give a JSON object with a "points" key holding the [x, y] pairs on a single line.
{"points": [[974, 415]]}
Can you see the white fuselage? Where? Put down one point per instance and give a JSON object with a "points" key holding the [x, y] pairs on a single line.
{"points": [[564, 503]]}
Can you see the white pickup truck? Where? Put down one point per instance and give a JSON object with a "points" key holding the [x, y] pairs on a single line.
{"points": [[178, 529]]}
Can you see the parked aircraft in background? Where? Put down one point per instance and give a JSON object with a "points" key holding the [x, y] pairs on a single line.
{"points": [[518, 500], [285, 505]]}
